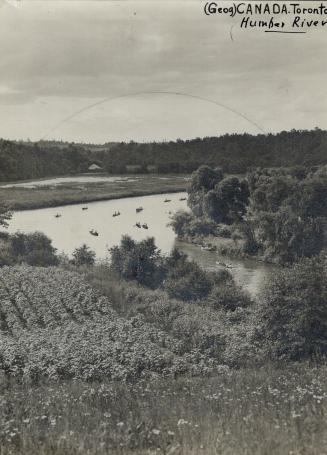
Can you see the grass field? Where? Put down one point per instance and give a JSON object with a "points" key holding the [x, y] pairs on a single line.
{"points": [[269, 411], [20, 198]]}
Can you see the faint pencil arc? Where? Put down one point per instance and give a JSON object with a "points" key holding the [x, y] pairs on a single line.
{"points": [[113, 98]]}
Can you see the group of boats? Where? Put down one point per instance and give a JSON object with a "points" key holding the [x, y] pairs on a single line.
{"points": [[227, 266], [96, 233], [117, 213], [139, 225]]}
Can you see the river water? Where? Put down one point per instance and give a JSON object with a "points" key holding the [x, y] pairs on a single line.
{"points": [[71, 229]]}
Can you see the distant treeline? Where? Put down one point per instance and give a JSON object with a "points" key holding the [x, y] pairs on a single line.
{"points": [[234, 153]]}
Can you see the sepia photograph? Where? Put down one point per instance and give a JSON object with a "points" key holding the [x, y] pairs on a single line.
{"points": [[163, 227]]}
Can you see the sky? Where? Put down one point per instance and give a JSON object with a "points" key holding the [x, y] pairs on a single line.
{"points": [[102, 71]]}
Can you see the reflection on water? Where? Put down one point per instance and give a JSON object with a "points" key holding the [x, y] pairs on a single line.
{"points": [[71, 229]]}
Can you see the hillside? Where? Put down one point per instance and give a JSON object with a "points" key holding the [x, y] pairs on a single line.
{"points": [[54, 325], [235, 153]]}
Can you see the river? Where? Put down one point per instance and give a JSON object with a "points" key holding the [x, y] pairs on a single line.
{"points": [[71, 229]]}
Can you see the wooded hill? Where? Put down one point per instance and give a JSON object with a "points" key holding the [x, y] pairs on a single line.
{"points": [[235, 153]]}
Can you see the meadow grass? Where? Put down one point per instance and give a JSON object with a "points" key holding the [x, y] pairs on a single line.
{"points": [[19, 198], [272, 410]]}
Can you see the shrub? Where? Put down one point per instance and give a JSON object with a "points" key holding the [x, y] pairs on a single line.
{"points": [[228, 296], [293, 311], [139, 261], [33, 249], [179, 222], [5, 215], [187, 281], [185, 224], [83, 256]]}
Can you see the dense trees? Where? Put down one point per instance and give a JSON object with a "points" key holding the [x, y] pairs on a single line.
{"points": [[223, 200], [279, 213], [235, 153], [293, 311], [35, 160], [185, 224], [181, 278], [287, 213], [33, 249]]}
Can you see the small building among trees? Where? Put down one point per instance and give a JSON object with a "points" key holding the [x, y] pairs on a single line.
{"points": [[94, 167]]}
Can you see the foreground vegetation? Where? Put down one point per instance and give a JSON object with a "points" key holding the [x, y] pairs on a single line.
{"points": [[19, 198], [154, 315], [271, 410]]}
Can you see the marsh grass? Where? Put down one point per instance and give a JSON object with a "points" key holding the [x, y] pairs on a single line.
{"points": [[19, 198], [273, 410]]}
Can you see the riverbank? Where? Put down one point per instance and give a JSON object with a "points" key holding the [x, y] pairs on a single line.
{"points": [[27, 198]]}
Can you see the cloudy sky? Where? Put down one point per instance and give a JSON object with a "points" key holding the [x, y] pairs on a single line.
{"points": [[135, 63]]}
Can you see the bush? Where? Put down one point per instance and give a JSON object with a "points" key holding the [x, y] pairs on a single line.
{"points": [[83, 256], [179, 222], [185, 224], [223, 231], [228, 296], [293, 311], [33, 249], [139, 261], [187, 281]]}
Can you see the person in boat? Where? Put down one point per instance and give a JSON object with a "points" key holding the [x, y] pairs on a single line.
{"points": [[93, 232], [58, 215], [167, 200], [182, 199], [138, 224], [139, 209], [145, 226], [84, 208]]}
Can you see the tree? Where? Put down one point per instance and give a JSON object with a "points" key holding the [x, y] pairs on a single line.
{"points": [[185, 280], [227, 202], [34, 249], [292, 315], [5, 216], [139, 261], [179, 222], [223, 200], [83, 256], [287, 214], [185, 224], [203, 180]]}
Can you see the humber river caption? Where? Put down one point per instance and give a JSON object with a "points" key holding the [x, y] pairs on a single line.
{"points": [[302, 17]]}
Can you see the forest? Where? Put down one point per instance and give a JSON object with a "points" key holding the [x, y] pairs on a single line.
{"points": [[274, 214], [234, 153]]}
